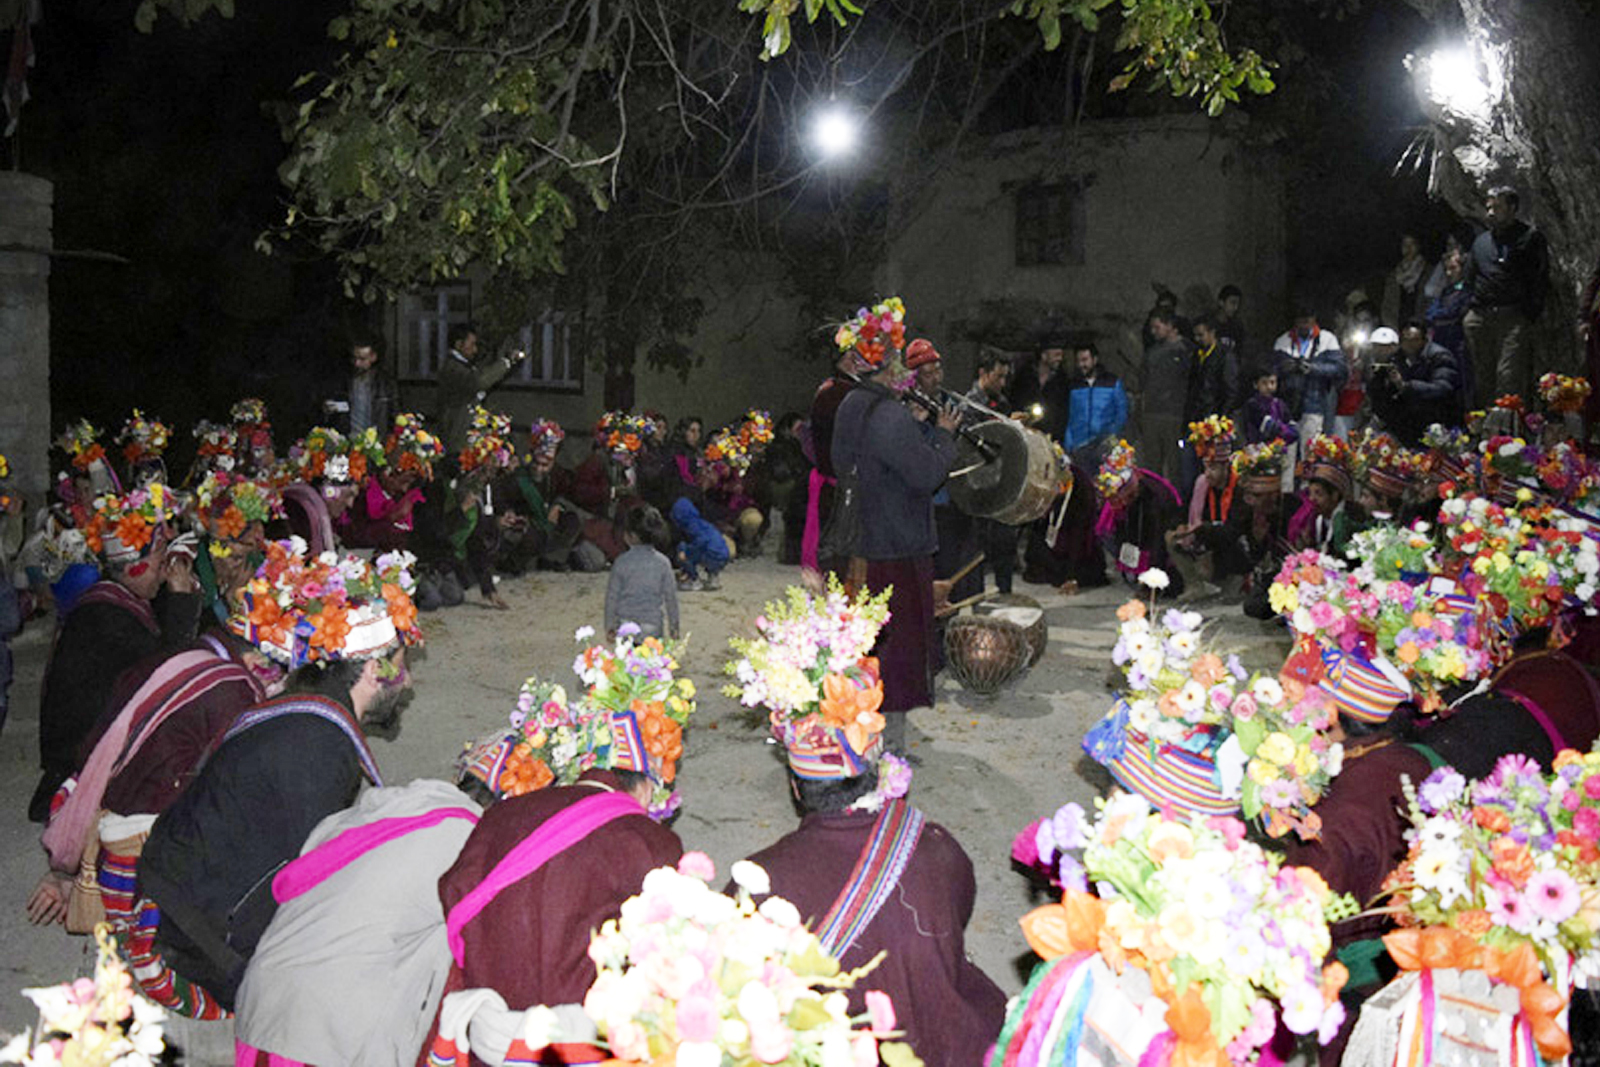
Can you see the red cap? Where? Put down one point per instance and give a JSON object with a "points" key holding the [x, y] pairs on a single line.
{"points": [[920, 352]]}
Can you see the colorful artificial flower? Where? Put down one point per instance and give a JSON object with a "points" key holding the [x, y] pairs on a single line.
{"points": [[1263, 460], [546, 435], [100, 1021], [691, 977], [622, 434], [1117, 470], [143, 439], [80, 440], [1232, 941], [873, 332], [488, 449], [1210, 434], [1563, 393], [302, 610], [411, 448], [216, 446], [132, 518], [228, 503]]}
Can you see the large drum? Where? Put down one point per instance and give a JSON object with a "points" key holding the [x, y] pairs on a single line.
{"points": [[984, 653], [1016, 487]]}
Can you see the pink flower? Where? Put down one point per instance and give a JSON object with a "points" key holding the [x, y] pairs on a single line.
{"points": [[864, 1051], [771, 1041], [1231, 829], [1322, 614], [1553, 895], [1221, 696], [1591, 787], [1244, 707], [1025, 849], [697, 865], [1586, 822], [881, 1010], [698, 1019]]}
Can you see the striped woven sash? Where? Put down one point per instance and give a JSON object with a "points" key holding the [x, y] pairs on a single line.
{"points": [[877, 872], [322, 708]]}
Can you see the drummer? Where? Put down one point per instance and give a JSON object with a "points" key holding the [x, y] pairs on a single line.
{"points": [[998, 540], [958, 540]]}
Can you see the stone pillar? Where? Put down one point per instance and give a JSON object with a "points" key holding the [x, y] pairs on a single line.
{"points": [[25, 330]]}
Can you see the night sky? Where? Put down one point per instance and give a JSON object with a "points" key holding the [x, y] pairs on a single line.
{"points": [[162, 150]]}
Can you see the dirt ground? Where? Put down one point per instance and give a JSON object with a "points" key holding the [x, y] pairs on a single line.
{"points": [[989, 765]]}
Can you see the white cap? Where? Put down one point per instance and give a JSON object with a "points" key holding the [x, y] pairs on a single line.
{"points": [[1384, 335]]}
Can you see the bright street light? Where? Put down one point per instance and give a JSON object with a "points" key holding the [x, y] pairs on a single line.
{"points": [[1454, 80], [834, 131]]}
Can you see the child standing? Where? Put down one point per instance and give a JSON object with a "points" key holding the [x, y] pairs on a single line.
{"points": [[1265, 417], [641, 589]]}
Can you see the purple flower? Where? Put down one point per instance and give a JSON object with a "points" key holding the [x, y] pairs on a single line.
{"points": [[1441, 789], [628, 629], [1071, 875], [1235, 667], [1070, 827]]}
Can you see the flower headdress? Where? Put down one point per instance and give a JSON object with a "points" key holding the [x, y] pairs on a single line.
{"points": [[227, 503], [873, 332], [5, 476], [546, 436], [299, 610], [1569, 475], [809, 667], [488, 447], [1117, 469], [689, 976], [1264, 460], [125, 526], [215, 446], [249, 418], [551, 742], [739, 446], [1506, 457], [1563, 394], [1230, 939], [623, 434], [1501, 874], [80, 441], [92, 1022], [1383, 463], [1212, 436], [143, 439], [410, 448], [633, 682]]}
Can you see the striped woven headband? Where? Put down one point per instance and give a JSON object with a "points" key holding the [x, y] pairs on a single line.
{"points": [[1360, 687]]}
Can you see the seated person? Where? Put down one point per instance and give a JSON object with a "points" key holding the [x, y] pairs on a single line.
{"points": [[1140, 507]]}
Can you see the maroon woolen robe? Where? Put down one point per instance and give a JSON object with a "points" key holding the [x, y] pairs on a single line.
{"points": [[531, 943], [169, 758], [949, 1009]]}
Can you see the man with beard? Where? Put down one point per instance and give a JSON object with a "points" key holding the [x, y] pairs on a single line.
{"points": [[285, 764]]}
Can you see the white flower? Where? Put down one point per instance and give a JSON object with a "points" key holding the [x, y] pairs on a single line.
{"points": [[1230, 766], [694, 1054], [751, 878], [1301, 621], [1142, 714], [1191, 698], [297, 545], [583, 633], [540, 1027], [1267, 691], [757, 1004], [780, 912], [1154, 578]]}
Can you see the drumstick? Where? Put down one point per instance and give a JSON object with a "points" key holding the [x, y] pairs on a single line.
{"points": [[967, 603]]}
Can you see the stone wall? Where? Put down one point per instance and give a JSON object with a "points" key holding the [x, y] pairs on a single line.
{"points": [[1179, 201], [25, 329]]}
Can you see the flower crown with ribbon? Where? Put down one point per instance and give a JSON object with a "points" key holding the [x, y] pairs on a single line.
{"points": [[124, 527], [1212, 437], [299, 610], [1117, 469], [227, 503], [623, 434]]}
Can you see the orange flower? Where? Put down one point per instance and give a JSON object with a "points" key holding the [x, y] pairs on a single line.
{"points": [[1133, 609], [523, 774], [1512, 860], [663, 738], [358, 466], [1492, 819], [1475, 922], [267, 618], [330, 626], [1408, 653], [92, 533], [402, 612], [1208, 669], [133, 531], [230, 524], [853, 709]]}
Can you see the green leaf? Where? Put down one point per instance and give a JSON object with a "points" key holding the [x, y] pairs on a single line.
{"points": [[144, 16], [339, 28], [898, 1054]]}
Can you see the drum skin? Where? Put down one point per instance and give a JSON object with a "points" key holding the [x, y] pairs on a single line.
{"points": [[1015, 488]]}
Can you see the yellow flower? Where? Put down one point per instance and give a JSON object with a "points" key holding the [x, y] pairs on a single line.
{"points": [[686, 688], [1304, 761], [1285, 598], [1278, 748], [1480, 565], [1502, 562], [1261, 772]]}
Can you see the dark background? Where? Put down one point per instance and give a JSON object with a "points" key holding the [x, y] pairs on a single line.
{"points": [[163, 150]]}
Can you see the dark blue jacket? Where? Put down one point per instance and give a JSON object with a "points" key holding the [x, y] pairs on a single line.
{"points": [[898, 468], [701, 540]]}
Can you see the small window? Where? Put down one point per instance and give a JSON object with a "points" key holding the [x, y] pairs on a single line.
{"points": [[1049, 225], [422, 332], [554, 360]]}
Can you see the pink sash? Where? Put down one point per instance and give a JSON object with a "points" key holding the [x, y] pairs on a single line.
{"points": [[811, 540], [1107, 522], [334, 855], [175, 683], [557, 834]]}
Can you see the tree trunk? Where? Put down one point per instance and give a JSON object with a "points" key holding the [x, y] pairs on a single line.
{"points": [[1542, 135]]}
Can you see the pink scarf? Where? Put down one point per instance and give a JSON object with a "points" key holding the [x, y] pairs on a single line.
{"points": [[175, 683]]}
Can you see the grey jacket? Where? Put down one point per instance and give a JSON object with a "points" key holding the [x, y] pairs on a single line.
{"points": [[641, 588], [899, 467]]}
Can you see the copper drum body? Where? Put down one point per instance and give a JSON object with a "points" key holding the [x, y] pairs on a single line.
{"points": [[984, 653], [1015, 488]]}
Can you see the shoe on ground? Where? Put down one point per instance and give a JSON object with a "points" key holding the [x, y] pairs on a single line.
{"points": [[689, 585], [710, 583]]}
